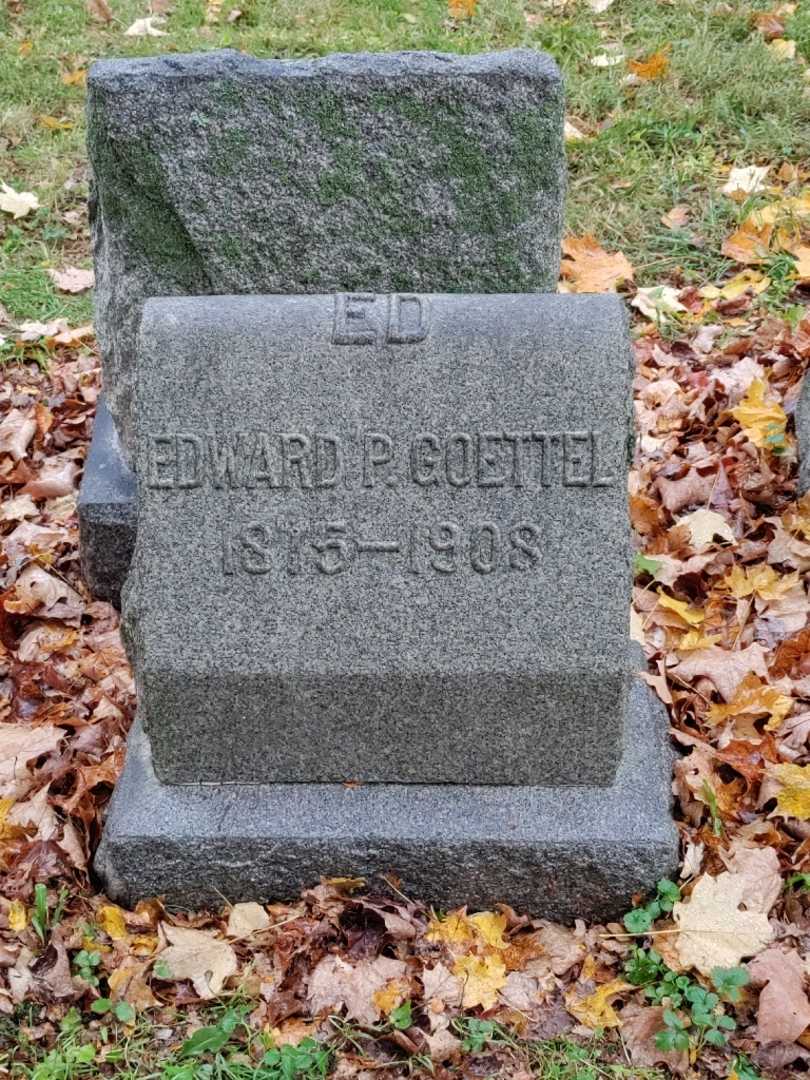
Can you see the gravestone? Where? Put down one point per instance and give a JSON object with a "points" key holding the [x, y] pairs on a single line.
{"points": [[383, 539], [218, 173]]}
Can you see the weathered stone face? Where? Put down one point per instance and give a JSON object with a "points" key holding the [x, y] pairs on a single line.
{"points": [[219, 173], [382, 538]]}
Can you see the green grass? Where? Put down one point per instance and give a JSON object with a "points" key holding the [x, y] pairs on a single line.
{"points": [[725, 99], [228, 1049]]}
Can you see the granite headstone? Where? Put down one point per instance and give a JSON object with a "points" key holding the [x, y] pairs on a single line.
{"points": [[384, 539], [221, 173]]}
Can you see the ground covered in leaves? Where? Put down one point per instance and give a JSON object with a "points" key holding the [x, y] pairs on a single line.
{"points": [[706, 978]]}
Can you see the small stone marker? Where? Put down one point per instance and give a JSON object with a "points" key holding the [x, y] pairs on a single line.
{"points": [[220, 173], [384, 539]]}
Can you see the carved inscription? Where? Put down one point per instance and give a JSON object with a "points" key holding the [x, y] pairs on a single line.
{"points": [[372, 319], [334, 547], [312, 461]]}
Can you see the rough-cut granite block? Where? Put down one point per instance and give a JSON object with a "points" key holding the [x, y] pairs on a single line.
{"points": [[561, 852], [382, 538], [220, 173], [107, 511]]}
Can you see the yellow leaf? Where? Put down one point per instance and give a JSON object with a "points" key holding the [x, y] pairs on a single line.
{"points": [[746, 281], [794, 798], [17, 916], [111, 921], [390, 996], [483, 977], [763, 422], [75, 78], [490, 928], [783, 48], [742, 581], [461, 9], [750, 244], [590, 268], [694, 639], [651, 68], [25, 48], [753, 700], [691, 616], [596, 1010], [53, 123], [454, 929]]}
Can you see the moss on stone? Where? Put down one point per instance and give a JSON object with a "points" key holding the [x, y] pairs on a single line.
{"points": [[138, 203]]}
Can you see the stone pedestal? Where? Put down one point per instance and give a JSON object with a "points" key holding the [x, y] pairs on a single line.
{"points": [[564, 852], [383, 539]]}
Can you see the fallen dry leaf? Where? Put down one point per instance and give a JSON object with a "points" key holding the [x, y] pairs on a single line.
{"points": [[677, 217], [793, 797], [784, 1011], [490, 928], [442, 985], [454, 929], [750, 245], [653, 67], [17, 203], [596, 1010], [783, 48], [148, 27], [17, 916], [200, 957], [482, 977], [590, 268], [691, 616], [726, 668], [99, 10], [705, 525], [17, 429], [758, 868], [72, 279], [657, 302], [606, 60], [19, 745], [111, 921], [640, 1025], [769, 23], [762, 421], [753, 699], [571, 132], [715, 931], [461, 9], [336, 984], [745, 180], [246, 919]]}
